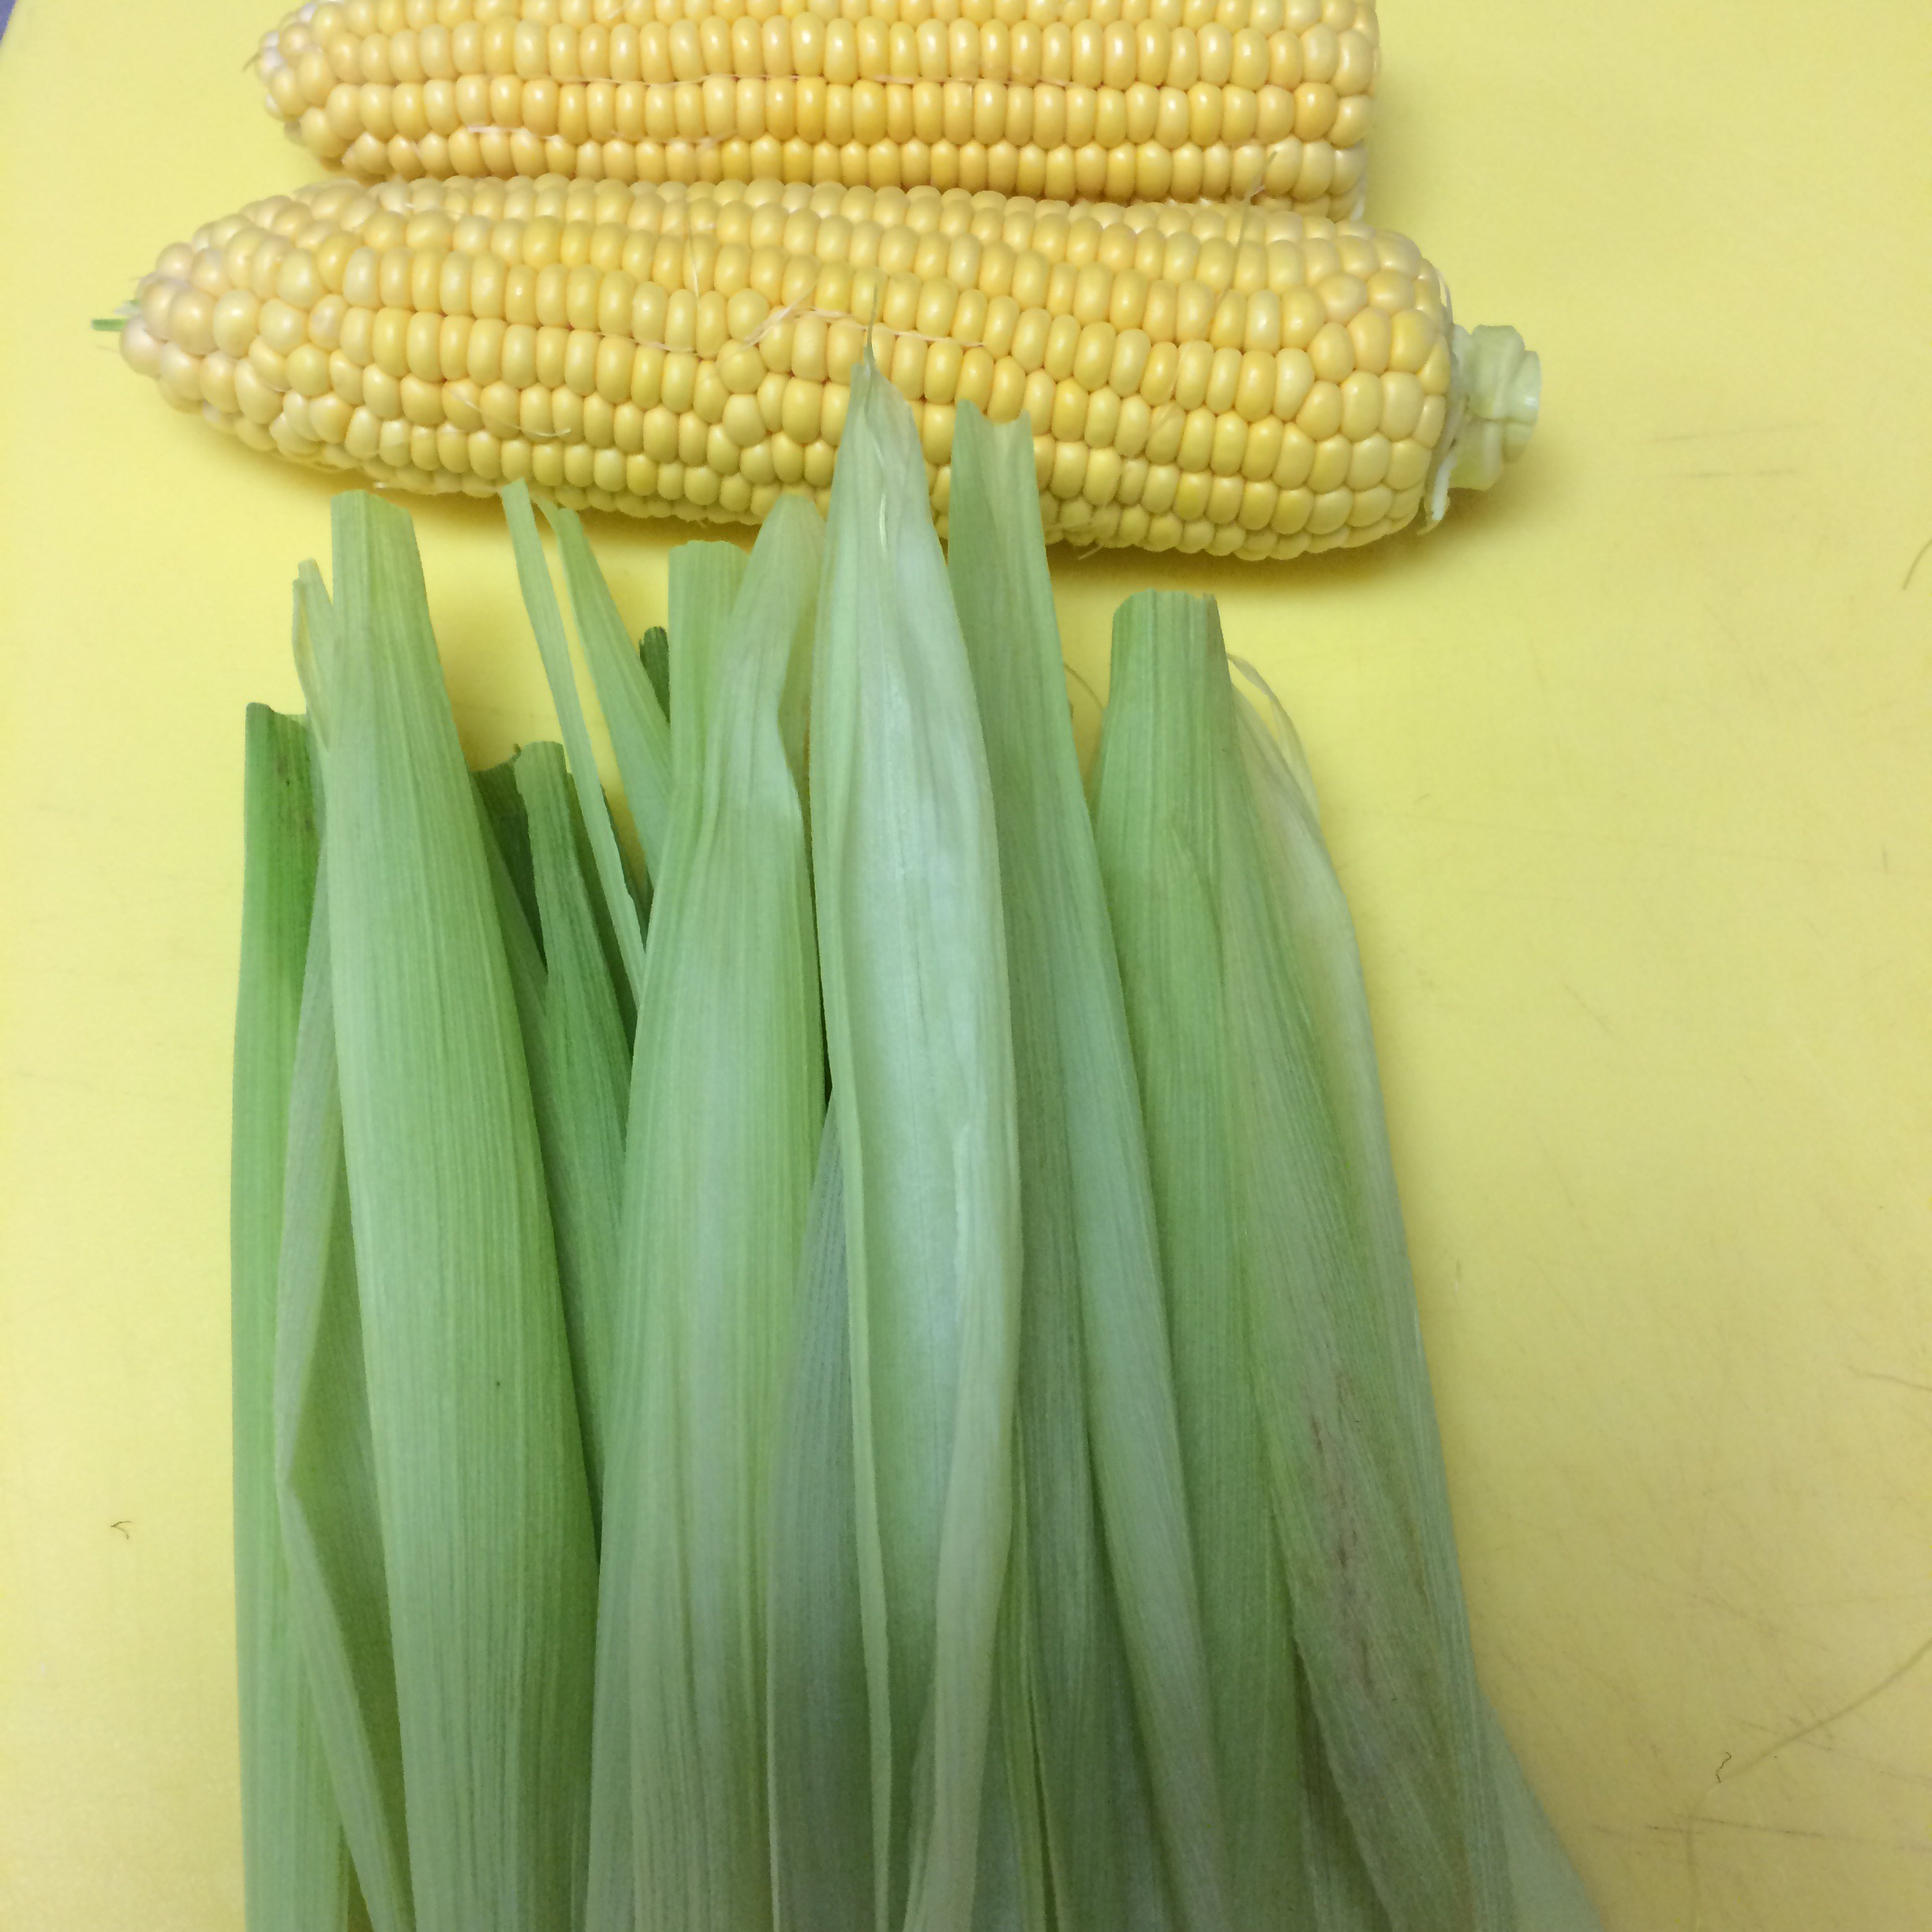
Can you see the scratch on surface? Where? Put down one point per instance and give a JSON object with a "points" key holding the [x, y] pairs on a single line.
{"points": [[1827, 1837], [1601, 1019], [1898, 1381], [1711, 436], [1699, 1817], [1924, 550], [1870, 1764], [1699, 476]]}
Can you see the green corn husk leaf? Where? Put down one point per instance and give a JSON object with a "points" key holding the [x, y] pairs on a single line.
{"points": [[654, 650], [1013, 1891], [1158, 826], [1106, 1527], [819, 1731], [704, 581], [1341, 1896], [547, 621], [726, 1108], [1359, 1353], [295, 1867], [912, 953], [1550, 1896], [513, 888], [609, 1895], [1382, 1640], [509, 827], [634, 713], [579, 1085], [325, 1468], [487, 1533], [570, 1008]]}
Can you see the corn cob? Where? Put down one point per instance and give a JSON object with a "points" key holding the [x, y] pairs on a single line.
{"points": [[1221, 378], [1118, 100]]}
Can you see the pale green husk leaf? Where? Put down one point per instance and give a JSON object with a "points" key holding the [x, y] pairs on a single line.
{"points": [[704, 581], [295, 1867], [1368, 1464], [487, 1532], [579, 1082], [331, 1526], [1113, 1580], [912, 953], [1157, 824], [633, 713], [547, 621], [819, 1733], [726, 1108]]}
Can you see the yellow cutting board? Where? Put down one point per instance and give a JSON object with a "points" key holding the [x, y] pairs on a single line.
{"points": [[1628, 772]]}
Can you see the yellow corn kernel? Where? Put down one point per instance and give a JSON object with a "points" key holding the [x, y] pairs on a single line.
{"points": [[1172, 104], [1238, 381]]}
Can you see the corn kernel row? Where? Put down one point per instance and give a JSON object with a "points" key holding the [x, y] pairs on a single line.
{"points": [[1232, 379], [1275, 103], [368, 16], [1084, 54]]}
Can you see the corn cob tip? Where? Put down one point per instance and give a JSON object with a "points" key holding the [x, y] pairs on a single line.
{"points": [[1497, 391]]}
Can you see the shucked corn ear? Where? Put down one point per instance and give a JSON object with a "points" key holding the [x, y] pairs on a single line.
{"points": [[1147, 100], [1241, 380]]}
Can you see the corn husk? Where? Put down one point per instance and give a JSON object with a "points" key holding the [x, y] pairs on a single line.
{"points": [[654, 650], [1110, 1610], [1440, 1813], [295, 1868], [572, 1000], [1157, 824], [727, 1107], [1341, 1896], [325, 1469], [487, 1533], [1378, 1616], [819, 1729], [1549, 1895], [579, 1082], [912, 954], [704, 581], [508, 824], [634, 711], [547, 621]]}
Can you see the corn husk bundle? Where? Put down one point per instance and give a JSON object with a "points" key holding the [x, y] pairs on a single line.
{"points": [[848, 1361]]}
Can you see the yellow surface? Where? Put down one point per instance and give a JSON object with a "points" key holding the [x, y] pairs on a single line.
{"points": [[1628, 771]]}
